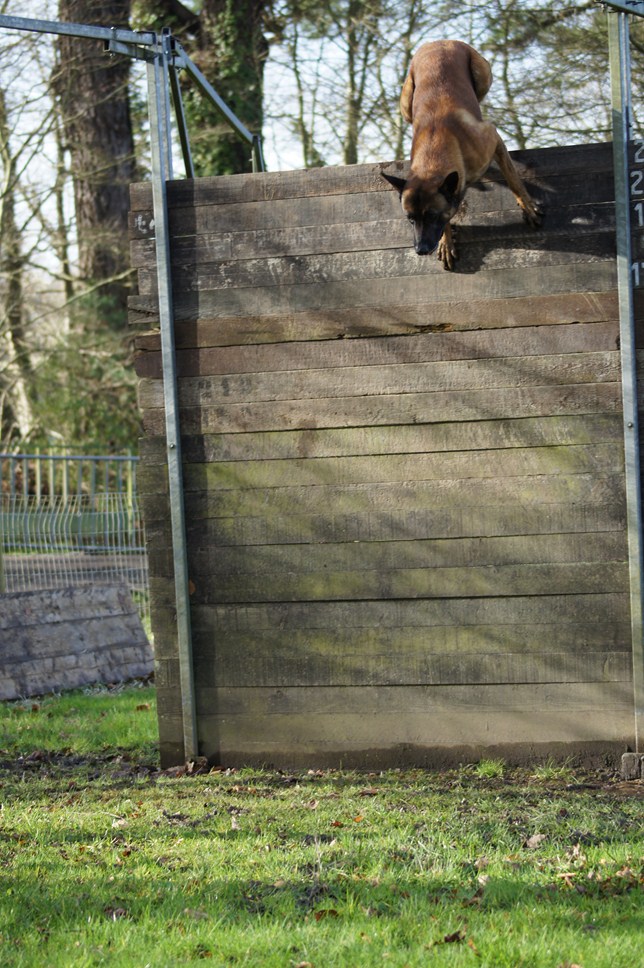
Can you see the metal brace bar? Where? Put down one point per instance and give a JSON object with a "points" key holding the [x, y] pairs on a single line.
{"points": [[179, 113], [258, 154], [184, 61], [620, 75], [91, 32]]}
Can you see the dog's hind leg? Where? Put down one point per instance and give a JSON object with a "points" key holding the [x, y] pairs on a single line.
{"points": [[530, 208], [481, 74]]}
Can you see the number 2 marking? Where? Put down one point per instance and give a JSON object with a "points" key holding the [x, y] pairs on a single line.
{"points": [[637, 177]]}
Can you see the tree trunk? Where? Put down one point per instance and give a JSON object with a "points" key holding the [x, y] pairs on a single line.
{"points": [[16, 414], [232, 52], [92, 90]]}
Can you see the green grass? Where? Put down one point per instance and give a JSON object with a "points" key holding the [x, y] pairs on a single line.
{"points": [[104, 860], [490, 768]]}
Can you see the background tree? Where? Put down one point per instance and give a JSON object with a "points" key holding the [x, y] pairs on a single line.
{"points": [[92, 92], [226, 41], [64, 353], [15, 365], [23, 133], [347, 60]]}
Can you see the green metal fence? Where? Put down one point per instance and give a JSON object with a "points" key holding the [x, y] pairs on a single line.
{"points": [[69, 520]]}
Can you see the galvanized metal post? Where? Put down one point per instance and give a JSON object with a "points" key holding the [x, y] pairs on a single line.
{"points": [[3, 580], [618, 39], [159, 108]]}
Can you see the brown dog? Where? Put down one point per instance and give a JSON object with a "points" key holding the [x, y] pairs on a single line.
{"points": [[452, 146]]}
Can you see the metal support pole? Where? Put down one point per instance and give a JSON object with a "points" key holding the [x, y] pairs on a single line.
{"points": [[618, 42], [161, 170]]}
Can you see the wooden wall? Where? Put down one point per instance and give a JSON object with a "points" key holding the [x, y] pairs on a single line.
{"points": [[404, 487]]}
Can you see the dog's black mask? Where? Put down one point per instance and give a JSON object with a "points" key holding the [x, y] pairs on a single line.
{"points": [[428, 211], [427, 233]]}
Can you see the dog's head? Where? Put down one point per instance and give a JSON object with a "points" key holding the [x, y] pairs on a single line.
{"points": [[428, 206]]}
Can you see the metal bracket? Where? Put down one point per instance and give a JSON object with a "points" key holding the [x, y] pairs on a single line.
{"points": [[625, 6]]}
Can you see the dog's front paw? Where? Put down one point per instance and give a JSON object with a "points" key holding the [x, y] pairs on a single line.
{"points": [[532, 213], [446, 251]]}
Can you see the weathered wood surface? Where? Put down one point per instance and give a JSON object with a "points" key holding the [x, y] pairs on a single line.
{"points": [[206, 360], [404, 488], [432, 316], [562, 163], [418, 725], [69, 637]]}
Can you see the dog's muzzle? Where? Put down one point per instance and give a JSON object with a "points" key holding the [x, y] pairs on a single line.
{"points": [[424, 248], [430, 236]]}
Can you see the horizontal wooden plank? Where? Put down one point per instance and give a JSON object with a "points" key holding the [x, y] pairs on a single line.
{"points": [[432, 287], [389, 556], [405, 439], [272, 186], [418, 700], [585, 578], [603, 458], [197, 239], [412, 656], [246, 664], [404, 655], [407, 496], [387, 379], [424, 347], [409, 408], [529, 249], [499, 619], [343, 719], [340, 524], [355, 322]]}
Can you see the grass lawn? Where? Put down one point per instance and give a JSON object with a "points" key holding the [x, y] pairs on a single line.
{"points": [[105, 860]]}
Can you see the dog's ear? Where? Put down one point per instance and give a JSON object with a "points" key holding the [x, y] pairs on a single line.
{"points": [[449, 188], [397, 183]]}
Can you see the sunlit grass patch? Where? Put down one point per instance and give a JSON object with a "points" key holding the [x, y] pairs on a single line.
{"points": [[106, 860]]}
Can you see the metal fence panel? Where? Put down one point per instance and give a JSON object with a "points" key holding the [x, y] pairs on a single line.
{"points": [[68, 521]]}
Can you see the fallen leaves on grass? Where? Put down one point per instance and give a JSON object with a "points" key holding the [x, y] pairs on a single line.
{"points": [[115, 913], [601, 883], [456, 937], [195, 914], [326, 913], [535, 841]]}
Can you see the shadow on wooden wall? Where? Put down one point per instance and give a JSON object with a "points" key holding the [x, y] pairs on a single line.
{"points": [[404, 487]]}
